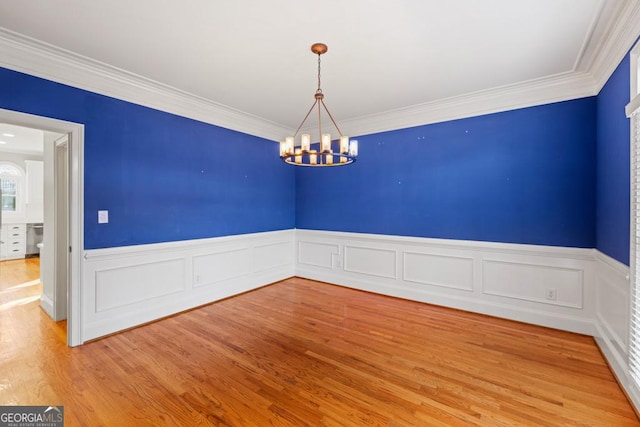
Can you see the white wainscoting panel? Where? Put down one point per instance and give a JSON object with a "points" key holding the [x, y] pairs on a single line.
{"points": [[212, 268], [499, 279], [316, 254], [139, 282], [272, 255], [531, 282], [438, 270], [613, 296], [613, 303], [370, 261], [128, 286]]}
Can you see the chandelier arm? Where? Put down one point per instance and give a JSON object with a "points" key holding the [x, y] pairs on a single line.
{"points": [[330, 116], [305, 118], [319, 101]]}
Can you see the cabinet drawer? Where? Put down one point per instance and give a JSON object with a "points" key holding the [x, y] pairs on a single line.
{"points": [[14, 228], [14, 238], [12, 231], [12, 252]]}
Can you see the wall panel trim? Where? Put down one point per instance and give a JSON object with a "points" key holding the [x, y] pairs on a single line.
{"points": [[127, 286], [444, 278], [453, 274]]}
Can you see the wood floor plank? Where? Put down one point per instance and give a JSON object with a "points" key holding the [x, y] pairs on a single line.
{"points": [[300, 353]]}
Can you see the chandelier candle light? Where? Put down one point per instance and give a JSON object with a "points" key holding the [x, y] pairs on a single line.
{"points": [[324, 155]]}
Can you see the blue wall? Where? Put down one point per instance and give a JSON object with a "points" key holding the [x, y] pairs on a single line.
{"points": [[521, 176], [162, 177], [612, 208]]}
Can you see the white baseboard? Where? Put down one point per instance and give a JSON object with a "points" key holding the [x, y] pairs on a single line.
{"points": [[505, 280], [46, 304], [128, 286]]}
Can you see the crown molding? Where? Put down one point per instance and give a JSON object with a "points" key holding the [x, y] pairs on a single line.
{"points": [[609, 39], [602, 23], [621, 36], [547, 90], [620, 27], [34, 57]]}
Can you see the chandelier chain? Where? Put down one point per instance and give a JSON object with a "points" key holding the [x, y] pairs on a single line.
{"points": [[319, 90]]}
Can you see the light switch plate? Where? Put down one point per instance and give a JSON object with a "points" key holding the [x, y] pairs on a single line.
{"points": [[103, 217]]}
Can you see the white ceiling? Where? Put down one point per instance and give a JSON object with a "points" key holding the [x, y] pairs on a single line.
{"points": [[16, 139], [253, 55]]}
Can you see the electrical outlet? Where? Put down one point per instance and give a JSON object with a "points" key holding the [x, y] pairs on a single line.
{"points": [[551, 294]]}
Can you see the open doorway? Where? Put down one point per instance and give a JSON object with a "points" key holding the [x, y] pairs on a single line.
{"points": [[34, 193], [44, 200]]}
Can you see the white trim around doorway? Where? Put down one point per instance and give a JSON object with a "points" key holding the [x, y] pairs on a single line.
{"points": [[76, 208]]}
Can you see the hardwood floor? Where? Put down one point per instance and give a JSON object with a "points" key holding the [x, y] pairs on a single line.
{"points": [[300, 353]]}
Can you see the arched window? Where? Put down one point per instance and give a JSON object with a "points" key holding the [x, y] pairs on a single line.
{"points": [[11, 186]]}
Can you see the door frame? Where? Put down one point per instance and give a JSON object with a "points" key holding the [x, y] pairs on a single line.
{"points": [[75, 209]]}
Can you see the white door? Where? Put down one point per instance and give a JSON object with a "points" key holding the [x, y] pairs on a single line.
{"points": [[54, 255], [62, 227]]}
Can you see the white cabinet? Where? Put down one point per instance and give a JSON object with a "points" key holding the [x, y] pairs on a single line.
{"points": [[14, 241], [34, 199]]}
